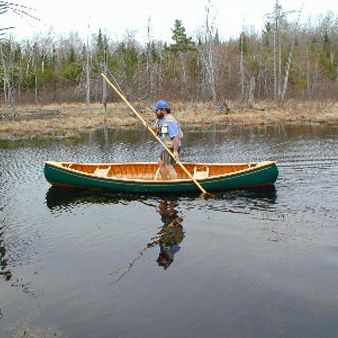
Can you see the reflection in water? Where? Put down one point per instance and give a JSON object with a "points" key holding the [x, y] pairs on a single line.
{"points": [[168, 237], [77, 234], [250, 201], [64, 199], [171, 234], [242, 201], [3, 256], [3, 259]]}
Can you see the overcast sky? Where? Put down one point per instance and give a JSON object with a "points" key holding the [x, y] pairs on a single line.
{"points": [[118, 17]]}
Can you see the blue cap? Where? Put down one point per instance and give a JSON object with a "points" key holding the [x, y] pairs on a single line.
{"points": [[161, 105]]}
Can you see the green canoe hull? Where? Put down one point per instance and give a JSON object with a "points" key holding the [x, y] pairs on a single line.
{"points": [[255, 177]]}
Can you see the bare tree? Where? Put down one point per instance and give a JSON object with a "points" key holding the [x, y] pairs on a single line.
{"points": [[5, 78], [208, 54], [104, 83], [241, 66], [150, 66], [88, 71], [277, 17], [288, 64], [8, 69]]}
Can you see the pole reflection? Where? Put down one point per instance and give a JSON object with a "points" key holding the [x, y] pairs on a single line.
{"points": [[168, 238]]}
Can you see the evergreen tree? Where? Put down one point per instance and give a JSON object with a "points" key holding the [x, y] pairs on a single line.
{"points": [[182, 42]]}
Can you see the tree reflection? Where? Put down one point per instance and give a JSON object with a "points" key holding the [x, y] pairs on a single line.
{"points": [[3, 258]]}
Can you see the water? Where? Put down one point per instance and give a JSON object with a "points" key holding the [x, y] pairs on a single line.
{"points": [[261, 263]]}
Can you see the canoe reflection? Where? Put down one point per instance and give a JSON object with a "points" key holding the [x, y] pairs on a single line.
{"points": [[58, 199], [168, 238], [171, 234]]}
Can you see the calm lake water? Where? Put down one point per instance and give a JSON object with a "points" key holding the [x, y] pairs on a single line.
{"points": [[261, 263]]}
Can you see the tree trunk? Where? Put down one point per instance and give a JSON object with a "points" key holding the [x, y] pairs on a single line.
{"points": [[241, 70], [20, 81], [36, 90], [288, 64], [274, 65], [307, 70], [210, 66], [87, 74], [104, 82], [182, 60], [251, 98], [287, 70], [279, 76]]}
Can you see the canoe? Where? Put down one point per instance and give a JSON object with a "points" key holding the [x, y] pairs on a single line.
{"points": [[143, 176]]}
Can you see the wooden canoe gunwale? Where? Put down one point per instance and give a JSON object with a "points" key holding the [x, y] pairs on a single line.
{"points": [[257, 166]]}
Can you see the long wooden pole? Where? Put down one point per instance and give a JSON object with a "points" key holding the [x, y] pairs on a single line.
{"points": [[154, 134]]}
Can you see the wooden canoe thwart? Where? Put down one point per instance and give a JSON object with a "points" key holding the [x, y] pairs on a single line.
{"points": [[144, 176]]}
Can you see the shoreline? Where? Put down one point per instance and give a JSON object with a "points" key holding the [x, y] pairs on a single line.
{"points": [[70, 120]]}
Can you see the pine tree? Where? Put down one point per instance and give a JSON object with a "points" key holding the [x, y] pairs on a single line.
{"points": [[182, 42]]}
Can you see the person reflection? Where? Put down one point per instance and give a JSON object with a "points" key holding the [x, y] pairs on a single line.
{"points": [[3, 258], [171, 234], [168, 238]]}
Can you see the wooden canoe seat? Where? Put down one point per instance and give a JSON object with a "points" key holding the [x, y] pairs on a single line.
{"points": [[200, 174], [102, 172]]}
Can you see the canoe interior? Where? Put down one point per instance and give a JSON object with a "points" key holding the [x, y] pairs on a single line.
{"points": [[147, 171]]}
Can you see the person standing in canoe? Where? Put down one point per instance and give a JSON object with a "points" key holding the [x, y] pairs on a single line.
{"points": [[169, 131]]}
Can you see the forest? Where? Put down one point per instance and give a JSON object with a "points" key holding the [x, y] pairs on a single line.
{"points": [[286, 60]]}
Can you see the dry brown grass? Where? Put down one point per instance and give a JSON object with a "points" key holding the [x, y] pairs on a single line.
{"points": [[74, 118], [264, 113]]}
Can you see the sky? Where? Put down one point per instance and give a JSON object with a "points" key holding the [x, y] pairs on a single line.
{"points": [[116, 18]]}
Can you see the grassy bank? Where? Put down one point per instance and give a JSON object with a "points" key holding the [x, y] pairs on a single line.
{"points": [[69, 119]]}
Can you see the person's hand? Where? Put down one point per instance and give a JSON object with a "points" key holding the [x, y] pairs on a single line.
{"points": [[175, 153]]}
